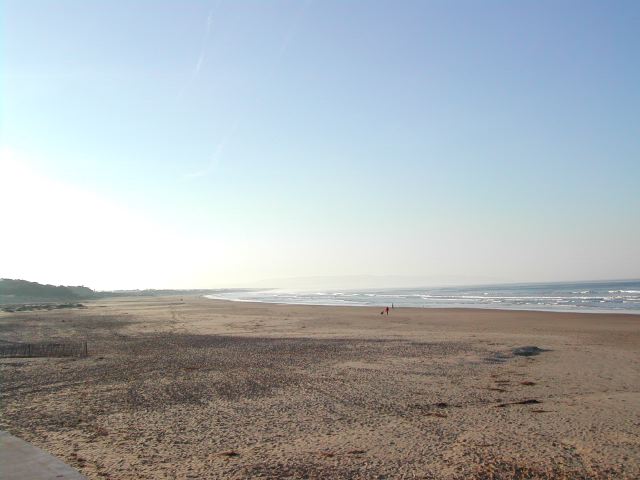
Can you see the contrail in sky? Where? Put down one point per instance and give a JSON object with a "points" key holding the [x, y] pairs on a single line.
{"points": [[217, 153], [203, 51], [207, 32]]}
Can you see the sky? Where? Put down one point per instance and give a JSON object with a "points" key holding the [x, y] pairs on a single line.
{"points": [[203, 144]]}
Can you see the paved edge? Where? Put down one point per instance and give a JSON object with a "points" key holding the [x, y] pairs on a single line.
{"points": [[20, 460]]}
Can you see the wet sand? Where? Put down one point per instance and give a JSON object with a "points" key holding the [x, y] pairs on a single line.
{"points": [[187, 387]]}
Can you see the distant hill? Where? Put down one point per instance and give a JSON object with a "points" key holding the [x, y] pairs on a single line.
{"points": [[22, 291], [151, 292]]}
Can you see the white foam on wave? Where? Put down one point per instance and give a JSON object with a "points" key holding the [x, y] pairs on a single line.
{"points": [[558, 297]]}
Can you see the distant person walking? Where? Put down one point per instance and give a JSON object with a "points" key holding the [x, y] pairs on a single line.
{"points": [[387, 310]]}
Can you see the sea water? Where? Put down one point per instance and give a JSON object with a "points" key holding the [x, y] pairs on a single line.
{"points": [[609, 296]]}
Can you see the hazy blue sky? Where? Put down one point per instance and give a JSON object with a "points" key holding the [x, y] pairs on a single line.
{"points": [[202, 144]]}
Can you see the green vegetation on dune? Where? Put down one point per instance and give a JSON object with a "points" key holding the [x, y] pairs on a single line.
{"points": [[23, 291], [17, 292]]}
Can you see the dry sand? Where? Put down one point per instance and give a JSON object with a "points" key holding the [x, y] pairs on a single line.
{"points": [[196, 388]]}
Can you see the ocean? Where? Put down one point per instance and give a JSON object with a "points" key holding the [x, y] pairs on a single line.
{"points": [[605, 296]]}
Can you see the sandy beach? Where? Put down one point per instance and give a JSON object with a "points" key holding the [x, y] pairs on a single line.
{"points": [[188, 387]]}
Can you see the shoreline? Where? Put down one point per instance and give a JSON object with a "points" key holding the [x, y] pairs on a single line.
{"points": [[457, 307]]}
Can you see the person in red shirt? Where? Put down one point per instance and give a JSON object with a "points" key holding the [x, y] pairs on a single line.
{"points": [[387, 310]]}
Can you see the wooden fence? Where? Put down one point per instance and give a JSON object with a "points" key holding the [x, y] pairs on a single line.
{"points": [[67, 349]]}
